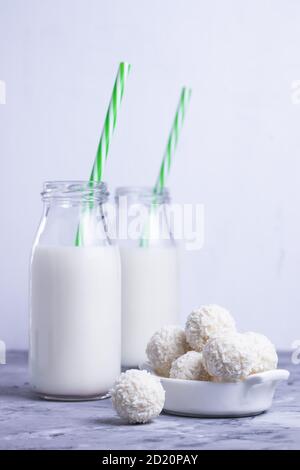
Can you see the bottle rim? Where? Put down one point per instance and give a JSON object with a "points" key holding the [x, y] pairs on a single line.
{"points": [[143, 193], [77, 191]]}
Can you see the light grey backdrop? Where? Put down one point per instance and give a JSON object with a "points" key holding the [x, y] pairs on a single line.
{"points": [[238, 154]]}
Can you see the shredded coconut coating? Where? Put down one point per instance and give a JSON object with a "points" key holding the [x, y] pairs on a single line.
{"points": [[189, 367], [265, 353], [164, 347], [137, 396], [205, 323], [229, 358]]}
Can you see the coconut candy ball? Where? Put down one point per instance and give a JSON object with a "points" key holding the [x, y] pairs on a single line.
{"points": [[137, 396], [229, 358], [164, 347], [265, 353], [189, 367], [205, 323]]}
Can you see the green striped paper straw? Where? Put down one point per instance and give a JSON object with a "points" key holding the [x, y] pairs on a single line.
{"points": [[107, 131], [173, 139], [165, 167], [110, 122]]}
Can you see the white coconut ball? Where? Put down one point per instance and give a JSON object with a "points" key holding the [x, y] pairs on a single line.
{"points": [[265, 353], [229, 357], [205, 323], [164, 347], [137, 396], [189, 367]]}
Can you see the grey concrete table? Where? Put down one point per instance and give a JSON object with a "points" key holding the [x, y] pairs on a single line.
{"points": [[30, 423]]}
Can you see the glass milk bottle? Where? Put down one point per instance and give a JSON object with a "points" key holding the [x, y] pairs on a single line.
{"points": [[149, 260], [75, 295]]}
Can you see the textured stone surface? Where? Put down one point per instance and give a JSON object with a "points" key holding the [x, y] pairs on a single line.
{"points": [[30, 423]]}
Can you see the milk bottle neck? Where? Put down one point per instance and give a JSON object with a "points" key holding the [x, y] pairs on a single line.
{"points": [[143, 195], [75, 214], [72, 193], [144, 217]]}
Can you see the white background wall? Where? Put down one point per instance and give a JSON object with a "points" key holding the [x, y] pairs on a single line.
{"points": [[239, 152]]}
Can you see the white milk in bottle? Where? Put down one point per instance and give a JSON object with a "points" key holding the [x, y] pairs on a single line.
{"points": [[75, 292], [150, 272]]}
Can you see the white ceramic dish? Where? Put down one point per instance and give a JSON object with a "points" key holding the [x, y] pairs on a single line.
{"points": [[249, 397]]}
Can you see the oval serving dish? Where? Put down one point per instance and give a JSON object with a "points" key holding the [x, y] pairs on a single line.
{"points": [[249, 397]]}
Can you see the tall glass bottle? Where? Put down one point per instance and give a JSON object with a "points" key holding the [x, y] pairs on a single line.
{"points": [[150, 271], [75, 295]]}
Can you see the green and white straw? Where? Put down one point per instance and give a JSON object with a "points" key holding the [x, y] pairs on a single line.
{"points": [[110, 122], [107, 132], [165, 167], [173, 139]]}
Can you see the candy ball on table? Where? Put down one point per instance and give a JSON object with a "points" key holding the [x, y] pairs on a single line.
{"points": [[265, 353], [207, 322], [164, 347], [229, 358], [189, 367], [137, 396]]}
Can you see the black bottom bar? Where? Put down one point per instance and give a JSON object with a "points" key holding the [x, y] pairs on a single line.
{"points": [[136, 458]]}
